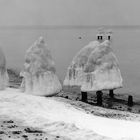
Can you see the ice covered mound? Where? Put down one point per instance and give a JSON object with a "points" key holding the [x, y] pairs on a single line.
{"points": [[101, 71], [95, 67], [74, 73], [39, 71], [4, 79]]}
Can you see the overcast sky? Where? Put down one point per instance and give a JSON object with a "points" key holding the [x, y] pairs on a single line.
{"points": [[69, 12]]}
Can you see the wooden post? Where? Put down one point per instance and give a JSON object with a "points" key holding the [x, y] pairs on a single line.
{"points": [[130, 100], [111, 93], [84, 96], [99, 98]]}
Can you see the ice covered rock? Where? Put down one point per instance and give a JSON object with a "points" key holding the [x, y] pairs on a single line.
{"points": [[39, 76], [101, 71], [74, 75], [95, 67], [4, 79]]}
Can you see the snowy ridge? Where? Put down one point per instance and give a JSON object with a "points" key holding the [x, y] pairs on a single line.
{"points": [[39, 111]]}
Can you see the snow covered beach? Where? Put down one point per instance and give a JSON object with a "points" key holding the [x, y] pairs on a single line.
{"points": [[30, 111], [59, 118]]}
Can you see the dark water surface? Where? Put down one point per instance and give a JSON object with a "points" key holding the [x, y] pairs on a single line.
{"points": [[65, 42]]}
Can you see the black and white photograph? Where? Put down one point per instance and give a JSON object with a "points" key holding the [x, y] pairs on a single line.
{"points": [[69, 69]]}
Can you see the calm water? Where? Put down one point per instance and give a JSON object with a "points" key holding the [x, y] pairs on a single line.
{"points": [[64, 43]]}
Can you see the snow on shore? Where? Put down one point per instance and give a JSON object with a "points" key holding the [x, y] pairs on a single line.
{"points": [[40, 112]]}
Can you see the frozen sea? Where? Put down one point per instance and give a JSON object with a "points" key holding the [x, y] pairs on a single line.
{"points": [[65, 41]]}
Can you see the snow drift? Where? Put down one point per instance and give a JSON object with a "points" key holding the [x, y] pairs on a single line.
{"points": [[60, 118], [39, 71]]}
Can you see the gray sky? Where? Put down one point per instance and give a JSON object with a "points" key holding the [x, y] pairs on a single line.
{"points": [[69, 12]]}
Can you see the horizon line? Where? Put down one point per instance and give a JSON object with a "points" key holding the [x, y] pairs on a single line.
{"points": [[4, 27]]}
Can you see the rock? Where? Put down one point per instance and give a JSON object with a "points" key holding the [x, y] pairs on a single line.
{"points": [[101, 71], [4, 79], [74, 73], [39, 76]]}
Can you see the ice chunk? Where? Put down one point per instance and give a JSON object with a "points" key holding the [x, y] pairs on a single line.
{"points": [[74, 73], [101, 70], [39, 71], [4, 79]]}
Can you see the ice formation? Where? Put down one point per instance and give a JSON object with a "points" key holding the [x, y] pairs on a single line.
{"points": [[95, 67], [101, 71], [39, 76], [4, 79], [74, 73]]}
